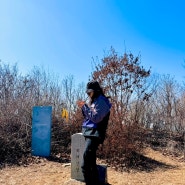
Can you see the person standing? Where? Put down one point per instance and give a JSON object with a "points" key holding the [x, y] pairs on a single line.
{"points": [[96, 117]]}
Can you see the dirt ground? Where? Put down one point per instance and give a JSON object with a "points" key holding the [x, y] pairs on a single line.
{"points": [[169, 171]]}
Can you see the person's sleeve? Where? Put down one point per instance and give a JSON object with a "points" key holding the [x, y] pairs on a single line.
{"points": [[100, 110]]}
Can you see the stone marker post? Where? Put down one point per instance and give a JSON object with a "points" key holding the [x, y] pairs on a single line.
{"points": [[77, 150]]}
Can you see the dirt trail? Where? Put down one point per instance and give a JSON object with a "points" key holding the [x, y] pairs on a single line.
{"points": [[169, 171]]}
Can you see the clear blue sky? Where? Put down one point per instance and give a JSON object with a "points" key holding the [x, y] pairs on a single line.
{"points": [[64, 35]]}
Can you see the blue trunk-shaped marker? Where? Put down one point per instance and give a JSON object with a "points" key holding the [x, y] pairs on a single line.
{"points": [[41, 130]]}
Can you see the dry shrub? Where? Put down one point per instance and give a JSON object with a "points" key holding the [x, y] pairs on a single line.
{"points": [[121, 145], [170, 143], [62, 132], [15, 138]]}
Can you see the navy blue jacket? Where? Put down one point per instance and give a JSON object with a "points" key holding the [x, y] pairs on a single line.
{"points": [[96, 118]]}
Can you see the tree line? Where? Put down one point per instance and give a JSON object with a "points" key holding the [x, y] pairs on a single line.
{"points": [[142, 103]]}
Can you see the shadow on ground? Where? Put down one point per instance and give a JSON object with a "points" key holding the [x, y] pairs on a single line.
{"points": [[143, 163], [138, 163], [59, 159]]}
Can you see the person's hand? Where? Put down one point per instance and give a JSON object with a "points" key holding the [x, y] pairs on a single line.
{"points": [[80, 103]]}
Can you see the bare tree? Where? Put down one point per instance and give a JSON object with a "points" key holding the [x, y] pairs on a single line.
{"points": [[165, 104], [124, 81]]}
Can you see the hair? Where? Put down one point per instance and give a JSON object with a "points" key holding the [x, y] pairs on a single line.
{"points": [[96, 94], [97, 89]]}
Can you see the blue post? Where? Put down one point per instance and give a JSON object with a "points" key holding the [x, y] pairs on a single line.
{"points": [[41, 130]]}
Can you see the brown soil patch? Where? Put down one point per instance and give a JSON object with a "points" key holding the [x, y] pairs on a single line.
{"points": [[167, 171]]}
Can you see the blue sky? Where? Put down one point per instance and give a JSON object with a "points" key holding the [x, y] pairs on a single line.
{"points": [[64, 35]]}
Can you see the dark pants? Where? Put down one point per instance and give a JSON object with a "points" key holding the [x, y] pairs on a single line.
{"points": [[89, 167]]}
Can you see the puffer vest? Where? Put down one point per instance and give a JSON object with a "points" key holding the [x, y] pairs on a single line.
{"points": [[98, 132]]}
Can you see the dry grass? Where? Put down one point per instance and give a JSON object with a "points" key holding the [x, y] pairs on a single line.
{"points": [[167, 170]]}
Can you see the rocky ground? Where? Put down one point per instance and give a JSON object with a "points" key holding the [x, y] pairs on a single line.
{"points": [[168, 171]]}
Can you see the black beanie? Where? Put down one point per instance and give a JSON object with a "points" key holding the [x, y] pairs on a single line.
{"points": [[93, 86]]}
